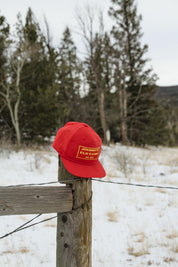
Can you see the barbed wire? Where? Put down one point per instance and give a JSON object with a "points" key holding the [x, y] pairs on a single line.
{"points": [[21, 227], [135, 184], [46, 183], [98, 180]]}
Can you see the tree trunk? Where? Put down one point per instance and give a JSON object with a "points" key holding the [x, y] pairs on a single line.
{"points": [[16, 108], [124, 122], [123, 111], [14, 117], [102, 116]]}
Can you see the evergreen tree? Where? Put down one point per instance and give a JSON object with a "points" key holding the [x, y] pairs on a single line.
{"points": [[38, 82], [4, 45], [134, 82], [127, 34], [69, 79]]}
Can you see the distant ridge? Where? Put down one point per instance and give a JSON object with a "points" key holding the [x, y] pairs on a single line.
{"points": [[167, 95]]}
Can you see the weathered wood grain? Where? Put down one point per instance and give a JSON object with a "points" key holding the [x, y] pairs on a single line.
{"points": [[35, 199], [74, 230]]}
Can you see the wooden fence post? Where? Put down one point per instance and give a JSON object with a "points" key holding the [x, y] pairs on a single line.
{"points": [[74, 229]]}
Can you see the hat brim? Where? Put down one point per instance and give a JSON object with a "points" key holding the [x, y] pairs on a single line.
{"points": [[85, 171]]}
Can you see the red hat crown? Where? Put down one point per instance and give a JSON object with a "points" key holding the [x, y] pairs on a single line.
{"points": [[79, 146]]}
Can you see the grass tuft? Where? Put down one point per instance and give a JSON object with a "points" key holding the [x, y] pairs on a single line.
{"points": [[112, 216]]}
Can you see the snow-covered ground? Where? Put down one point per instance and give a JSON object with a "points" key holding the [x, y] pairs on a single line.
{"points": [[132, 226]]}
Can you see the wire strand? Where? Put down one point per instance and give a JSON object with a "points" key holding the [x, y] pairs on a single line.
{"points": [[98, 180], [21, 227], [33, 224], [135, 184], [54, 182]]}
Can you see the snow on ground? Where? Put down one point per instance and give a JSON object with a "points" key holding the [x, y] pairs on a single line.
{"points": [[132, 226]]}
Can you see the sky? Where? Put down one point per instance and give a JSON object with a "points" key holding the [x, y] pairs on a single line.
{"points": [[159, 26]]}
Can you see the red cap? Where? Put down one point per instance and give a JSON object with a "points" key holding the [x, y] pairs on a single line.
{"points": [[79, 147]]}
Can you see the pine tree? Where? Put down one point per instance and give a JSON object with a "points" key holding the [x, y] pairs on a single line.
{"points": [[4, 44], [134, 82], [40, 111], [69, 69]]}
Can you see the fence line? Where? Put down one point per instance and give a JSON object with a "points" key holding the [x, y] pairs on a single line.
{"points": [[102, 181], [46, 183], [25, 225]]}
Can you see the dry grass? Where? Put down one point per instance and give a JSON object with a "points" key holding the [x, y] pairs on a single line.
{"points": [[135, 164], [140, 237], [23, 218], [174, 170], [22, 250], [173, 234], [173, 200], [47, 159], [128, 164], [36, 159], [149, 202], [139, 251], [112, 170], [50, 225], [165, 156], [174, 247], [113, 216], [125, 162], [160, 190], [174, 162], [139, 246], [161, 155], [173, 182], [169, 259], [149, 263]]}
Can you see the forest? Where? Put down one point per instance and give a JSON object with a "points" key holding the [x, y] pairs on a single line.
{"points": [[110, 87]]}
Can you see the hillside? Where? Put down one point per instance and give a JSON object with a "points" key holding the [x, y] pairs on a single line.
{"points": [[168, 95]]}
